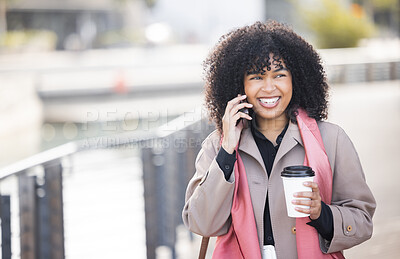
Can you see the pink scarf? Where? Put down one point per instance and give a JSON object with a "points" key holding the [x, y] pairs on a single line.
{"points": [[307, 236], [241, 241]]}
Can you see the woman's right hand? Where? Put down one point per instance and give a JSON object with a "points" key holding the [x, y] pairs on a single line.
{"points": [[232, 114]]}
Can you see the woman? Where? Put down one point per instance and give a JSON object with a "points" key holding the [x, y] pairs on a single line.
{"points": [[262, 82]]}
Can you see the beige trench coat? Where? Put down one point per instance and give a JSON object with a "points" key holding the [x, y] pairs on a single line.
{"points": [[209, 196]]}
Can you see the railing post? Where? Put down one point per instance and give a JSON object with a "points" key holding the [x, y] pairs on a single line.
{"points": [[41, 214], [173, 167], [27, 210], [162, 164], [5, 216], [50, 213], [168, 164], [150, 201]]}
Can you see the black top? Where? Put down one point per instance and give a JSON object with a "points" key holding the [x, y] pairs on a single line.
{"points": [[226, 161], [268, 152]]}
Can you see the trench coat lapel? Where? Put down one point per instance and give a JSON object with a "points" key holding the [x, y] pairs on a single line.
{"points": [[290, 140], [249, 146]]}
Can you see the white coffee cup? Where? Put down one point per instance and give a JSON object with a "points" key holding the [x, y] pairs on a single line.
{"points": [[293, 181]]}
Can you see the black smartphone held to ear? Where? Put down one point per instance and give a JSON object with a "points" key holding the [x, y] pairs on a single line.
{"points": [[244, 110]]}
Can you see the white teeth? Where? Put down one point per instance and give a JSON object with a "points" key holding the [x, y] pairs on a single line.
{"points": [[269, 100]]}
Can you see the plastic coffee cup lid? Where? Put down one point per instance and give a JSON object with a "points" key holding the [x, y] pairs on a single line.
{"points": [[297, 171]]}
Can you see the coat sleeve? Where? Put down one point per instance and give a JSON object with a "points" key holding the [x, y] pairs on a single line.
{"points": [[209, 196], [353, 204]]}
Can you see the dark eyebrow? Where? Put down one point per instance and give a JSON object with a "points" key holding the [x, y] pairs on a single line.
{"points": [[281, 69], [255, 72]]}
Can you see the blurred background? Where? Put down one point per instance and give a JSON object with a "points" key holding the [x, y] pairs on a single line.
{"points": [[101, 116]]}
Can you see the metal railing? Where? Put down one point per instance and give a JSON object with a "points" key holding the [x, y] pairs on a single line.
{"points": [[37, 199], [363, 72]]}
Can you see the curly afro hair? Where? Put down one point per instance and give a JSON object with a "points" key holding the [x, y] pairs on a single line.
{"points": [[246, 50]]}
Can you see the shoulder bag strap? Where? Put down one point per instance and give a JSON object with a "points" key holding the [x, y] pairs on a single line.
{"points": [[203, 247]]}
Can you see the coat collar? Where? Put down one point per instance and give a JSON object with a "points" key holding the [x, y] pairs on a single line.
{"points": [[290, 140], [249, 146]]}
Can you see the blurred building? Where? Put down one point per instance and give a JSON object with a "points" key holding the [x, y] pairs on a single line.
{"points": [[77, 24], [114, 23], [385, 14], [80, 25]]}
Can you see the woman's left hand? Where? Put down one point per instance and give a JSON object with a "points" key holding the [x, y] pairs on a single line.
{"points": [[314, 203]]}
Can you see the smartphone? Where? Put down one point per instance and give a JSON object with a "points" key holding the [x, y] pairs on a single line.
{"points": [[244, 110]]}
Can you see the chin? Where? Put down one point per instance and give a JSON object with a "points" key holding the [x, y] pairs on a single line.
{"points": [[271, 115]]}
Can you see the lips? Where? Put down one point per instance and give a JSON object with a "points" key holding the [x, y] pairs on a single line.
{"points": [[269, 102]]}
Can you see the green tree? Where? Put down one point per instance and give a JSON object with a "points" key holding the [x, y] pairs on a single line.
{"points": [[336, 26]]}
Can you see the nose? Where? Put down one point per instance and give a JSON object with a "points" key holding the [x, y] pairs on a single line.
{"points": [[269, 85]]}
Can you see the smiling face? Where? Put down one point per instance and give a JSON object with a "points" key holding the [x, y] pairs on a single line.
{"points": [[270, 92]]}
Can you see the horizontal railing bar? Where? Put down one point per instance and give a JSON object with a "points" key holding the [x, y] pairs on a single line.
{"points": [[38, 159]]}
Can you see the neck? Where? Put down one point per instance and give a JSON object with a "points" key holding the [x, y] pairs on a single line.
{"points": [[271, 128]]}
